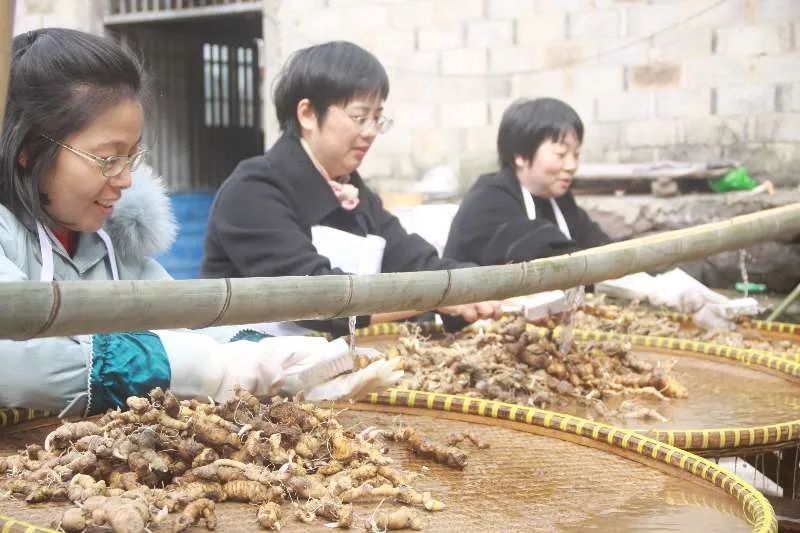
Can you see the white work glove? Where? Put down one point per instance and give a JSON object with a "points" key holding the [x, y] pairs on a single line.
{"points": [[378, 376], [203, 368], [679, 291]]}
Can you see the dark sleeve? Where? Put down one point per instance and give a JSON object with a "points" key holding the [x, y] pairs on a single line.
{"points": [[404, 252], [491, 228], [255, 228]]}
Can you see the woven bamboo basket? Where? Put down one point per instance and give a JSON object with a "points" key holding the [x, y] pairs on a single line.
{"points": [[542, 472]]}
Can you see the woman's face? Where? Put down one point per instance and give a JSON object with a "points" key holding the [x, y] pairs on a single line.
{"points": [[548, 174], [345, 135], [79, 197]]}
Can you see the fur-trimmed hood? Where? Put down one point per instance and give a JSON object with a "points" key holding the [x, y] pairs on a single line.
{"points": [[142, 223]]}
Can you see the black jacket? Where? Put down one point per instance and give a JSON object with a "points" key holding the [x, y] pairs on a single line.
{"points": [[491, 226], [261, 219]]}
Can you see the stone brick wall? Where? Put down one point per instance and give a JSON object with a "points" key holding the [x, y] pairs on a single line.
{"points": [[652, 79]]}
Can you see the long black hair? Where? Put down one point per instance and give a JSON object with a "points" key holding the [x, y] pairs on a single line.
{"points": [[526, 124], [59, 80], [326, 74]]}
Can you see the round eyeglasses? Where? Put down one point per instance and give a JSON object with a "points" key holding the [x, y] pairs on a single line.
{"points": [[366, 123], [111, 166]]}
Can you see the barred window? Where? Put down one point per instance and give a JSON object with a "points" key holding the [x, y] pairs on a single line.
{"points": [[229, 86]]}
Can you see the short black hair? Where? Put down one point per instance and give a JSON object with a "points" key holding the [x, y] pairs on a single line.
{"points": [[331, 73], [526, 124], [59, 80]]}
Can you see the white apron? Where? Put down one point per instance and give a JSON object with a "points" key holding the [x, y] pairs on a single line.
{"points": [[46, 249], [530, 209], [348, 252]]}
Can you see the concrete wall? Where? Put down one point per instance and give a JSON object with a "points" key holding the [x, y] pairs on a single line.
{"points": [[648, 83], [85, 15], [652, 79]]}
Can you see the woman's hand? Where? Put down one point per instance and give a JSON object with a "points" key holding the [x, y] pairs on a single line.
{"points": [[474, 311]]}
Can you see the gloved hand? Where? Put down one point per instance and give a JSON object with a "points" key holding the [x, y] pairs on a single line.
{"points": [[203, 368], [679, 291], [378, 376]]}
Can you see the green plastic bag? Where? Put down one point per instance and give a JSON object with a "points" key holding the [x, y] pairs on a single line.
{"points": [[736, 180]]}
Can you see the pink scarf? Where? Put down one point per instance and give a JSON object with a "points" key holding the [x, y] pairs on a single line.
{"points": [[346, 194]]}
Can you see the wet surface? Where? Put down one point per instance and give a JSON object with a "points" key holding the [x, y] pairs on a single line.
{"points": [[720, 395]]}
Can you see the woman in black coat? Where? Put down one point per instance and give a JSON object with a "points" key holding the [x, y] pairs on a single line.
{"points": [[301, 209], [526, 210]]}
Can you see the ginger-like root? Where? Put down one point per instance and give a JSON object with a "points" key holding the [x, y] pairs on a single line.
{"points": [[403, 518], [422, 445], [269, 516], [412, 497], [68, 432], [214, 435], [47, 494], [72, 521], [124, 515], [251, 492], [395, 476], [456, 437], [205, 457], [200, 489], [367, 492], [331, 510], [138, 405], [202, 508], [82, 487], [669, 386]]}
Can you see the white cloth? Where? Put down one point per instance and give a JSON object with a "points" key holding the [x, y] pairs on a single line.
{"points": [[351, 253], [530, 209]]}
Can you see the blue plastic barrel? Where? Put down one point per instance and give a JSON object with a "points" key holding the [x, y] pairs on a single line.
{"points": [[191, 210]]}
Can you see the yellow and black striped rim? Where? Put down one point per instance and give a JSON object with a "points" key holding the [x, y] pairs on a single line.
{"points": [[12, 525], [12, 417], [776, 327], [707, 441], [759, 358], [699, 440], [755, 506]]}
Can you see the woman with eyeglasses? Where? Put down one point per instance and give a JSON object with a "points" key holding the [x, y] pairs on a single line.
{"points": [[74, 206], [302, 209]]}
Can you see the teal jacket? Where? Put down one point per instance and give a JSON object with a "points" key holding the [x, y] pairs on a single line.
{"points": [[80, 375]]}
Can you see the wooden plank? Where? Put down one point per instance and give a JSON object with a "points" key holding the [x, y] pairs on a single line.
{"points": [[651, 171]]}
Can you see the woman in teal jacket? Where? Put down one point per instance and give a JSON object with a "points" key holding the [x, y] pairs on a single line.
{"points": [[73, 206]]}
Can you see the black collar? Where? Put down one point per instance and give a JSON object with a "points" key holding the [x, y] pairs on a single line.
{"points": [[315, 197], [509, 180]]}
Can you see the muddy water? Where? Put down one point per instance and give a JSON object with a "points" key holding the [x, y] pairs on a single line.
{"points": [[720, 395]]}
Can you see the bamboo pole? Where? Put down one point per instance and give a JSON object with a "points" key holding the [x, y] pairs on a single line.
{"points": [[39, 309], [784, 305], [6, 34]]}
